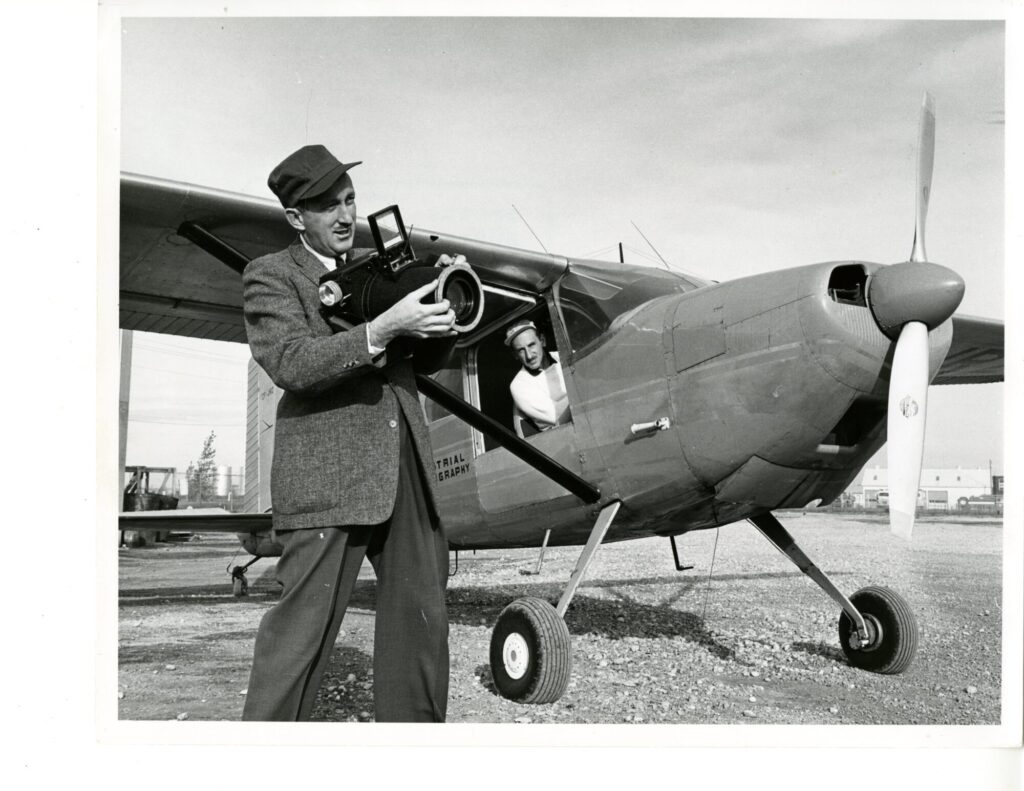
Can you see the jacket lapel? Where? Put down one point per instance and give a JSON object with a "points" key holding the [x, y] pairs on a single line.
{"points": [[313, 268], [308, 263]]}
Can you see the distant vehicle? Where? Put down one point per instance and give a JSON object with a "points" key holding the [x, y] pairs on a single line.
{"points": [[694, 404], [982, 504], [140, 494]]}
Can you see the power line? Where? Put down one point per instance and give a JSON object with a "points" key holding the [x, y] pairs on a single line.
{"points": [[212, 423], [173, 351], [185, 373]]}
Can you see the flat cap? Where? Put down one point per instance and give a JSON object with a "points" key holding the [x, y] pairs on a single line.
{"points": [[306, 173]]}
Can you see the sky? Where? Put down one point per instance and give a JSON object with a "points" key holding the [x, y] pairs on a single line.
{"points": [[736, 146]]}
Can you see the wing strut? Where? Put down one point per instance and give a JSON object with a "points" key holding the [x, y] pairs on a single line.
{"points": [[597, 534], [213, 245], [540, 461]]}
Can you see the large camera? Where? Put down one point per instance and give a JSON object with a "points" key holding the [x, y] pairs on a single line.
{"points": [[368, 286]]}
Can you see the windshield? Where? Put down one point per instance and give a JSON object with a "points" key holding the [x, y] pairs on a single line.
{"points": [[594, 298]]}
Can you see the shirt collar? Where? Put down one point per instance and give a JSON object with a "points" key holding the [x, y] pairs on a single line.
{"points": [[330, 263], [543, 368]]}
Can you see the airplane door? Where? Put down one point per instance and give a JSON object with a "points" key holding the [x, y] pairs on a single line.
{"points": [[505, 482]]}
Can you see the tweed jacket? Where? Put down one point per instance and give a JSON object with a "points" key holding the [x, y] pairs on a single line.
{"points": [[336, 439]]}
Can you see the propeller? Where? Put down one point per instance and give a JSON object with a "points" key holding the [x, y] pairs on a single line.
{"points": [[908, 300], [908, 400]]}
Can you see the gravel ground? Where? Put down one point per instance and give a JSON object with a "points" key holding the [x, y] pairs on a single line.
{"points": [[747, 640]]}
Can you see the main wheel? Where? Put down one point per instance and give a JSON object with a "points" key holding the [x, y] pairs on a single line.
{"points": [[531, 656], [892, 631]]}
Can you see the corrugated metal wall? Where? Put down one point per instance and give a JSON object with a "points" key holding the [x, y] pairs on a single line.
{"points": [[250, 502], [260, 415]]}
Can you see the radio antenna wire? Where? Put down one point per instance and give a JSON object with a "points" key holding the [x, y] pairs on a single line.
{"points": [[521, 217], [651, 245]]}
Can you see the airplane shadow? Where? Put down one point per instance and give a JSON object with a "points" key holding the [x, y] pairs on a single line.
{"points": [[263, 588], [180, 652], [615, 619], [695, 579], [190, 596], [609, 619], [823, 650], [183, 552]]}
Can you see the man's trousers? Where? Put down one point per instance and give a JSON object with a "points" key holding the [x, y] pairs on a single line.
{"points": [[318, 570]]}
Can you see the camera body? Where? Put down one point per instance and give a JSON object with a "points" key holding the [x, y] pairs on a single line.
{"points": [[368, 286]]}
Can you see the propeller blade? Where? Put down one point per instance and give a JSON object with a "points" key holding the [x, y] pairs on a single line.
{"points": [[908, 399], [925, 165]]}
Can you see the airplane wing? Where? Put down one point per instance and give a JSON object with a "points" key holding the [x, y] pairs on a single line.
{"points": [[195, 520], [976, 354], [170, 285], [183, 249]]}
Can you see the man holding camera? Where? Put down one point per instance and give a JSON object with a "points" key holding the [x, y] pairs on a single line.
{"points": [[347, 481]]}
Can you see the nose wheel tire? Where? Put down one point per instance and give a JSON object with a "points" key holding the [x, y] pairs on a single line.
{"points": [[892, 631], [531, 655]]}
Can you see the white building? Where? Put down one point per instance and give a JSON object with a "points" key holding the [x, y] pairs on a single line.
{"points": [[941, 490]]}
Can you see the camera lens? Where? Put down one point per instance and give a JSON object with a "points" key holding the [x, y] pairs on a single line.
{"points": [[460, 296], [459, 284]]}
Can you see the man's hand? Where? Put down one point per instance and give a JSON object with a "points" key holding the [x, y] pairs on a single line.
{"points": [[409, 316]]}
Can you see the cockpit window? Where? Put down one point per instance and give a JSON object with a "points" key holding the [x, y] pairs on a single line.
{"points": [[592, 299]]}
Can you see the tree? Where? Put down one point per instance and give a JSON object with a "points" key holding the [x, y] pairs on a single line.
{"points": [[202, 475]]}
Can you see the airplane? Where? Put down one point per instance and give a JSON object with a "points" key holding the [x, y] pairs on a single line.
{"points": [[694, 404]]}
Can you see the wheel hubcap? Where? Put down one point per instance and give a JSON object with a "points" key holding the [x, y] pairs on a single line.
{"points": [[874, 634], [515, 655]]}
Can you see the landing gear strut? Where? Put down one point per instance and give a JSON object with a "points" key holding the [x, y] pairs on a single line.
{"points": [[531, 652], [877, 630]]}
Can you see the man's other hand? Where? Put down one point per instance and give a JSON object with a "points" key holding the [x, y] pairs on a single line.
{"points": [[445, 260]]}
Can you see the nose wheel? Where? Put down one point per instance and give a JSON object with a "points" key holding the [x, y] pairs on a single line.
{"points": [[877, 629], [892, 631]]}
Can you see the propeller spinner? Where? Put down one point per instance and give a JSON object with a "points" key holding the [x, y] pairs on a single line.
{"points": [[907, 301]]}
